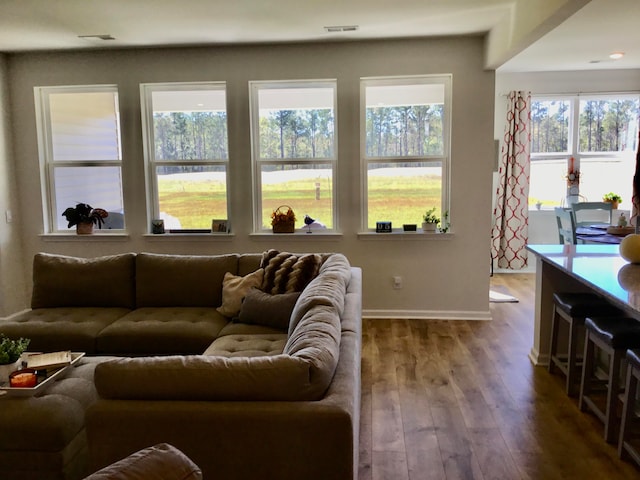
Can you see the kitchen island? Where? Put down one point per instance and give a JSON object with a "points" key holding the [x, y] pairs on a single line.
{"points": [[591, 268]]}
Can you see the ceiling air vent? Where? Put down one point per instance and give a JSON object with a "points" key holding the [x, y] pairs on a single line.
{"points": [[342, 28]]}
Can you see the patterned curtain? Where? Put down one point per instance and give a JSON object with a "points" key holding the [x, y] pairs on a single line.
{"points": [[510, 230], [636, 190]]}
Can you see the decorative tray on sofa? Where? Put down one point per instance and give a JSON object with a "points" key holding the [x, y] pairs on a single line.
{"points": [[42, 384]]}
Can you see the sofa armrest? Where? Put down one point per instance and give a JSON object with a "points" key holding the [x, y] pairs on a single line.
{"points": [[160, 462]]}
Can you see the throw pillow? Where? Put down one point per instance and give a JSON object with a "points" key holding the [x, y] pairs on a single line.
{"points": [[261, 308], [234, 289], [286, 272]]}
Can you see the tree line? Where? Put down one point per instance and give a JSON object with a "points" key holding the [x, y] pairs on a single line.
{"points": [[286, 134], [415, 130], [604, 125]]}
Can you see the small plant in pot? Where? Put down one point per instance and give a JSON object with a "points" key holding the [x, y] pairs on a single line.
{"points": [[10, 352], [430, 220], [84, 217], [612, 198]]}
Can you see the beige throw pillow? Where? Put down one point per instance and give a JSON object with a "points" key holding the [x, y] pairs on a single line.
{"points": [[235, 288]]}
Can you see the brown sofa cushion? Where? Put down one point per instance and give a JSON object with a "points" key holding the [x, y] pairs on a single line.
{"points": [[286, 272], [66, 328], [162, 331], [262, 308], [160, 462], [181, 280], [199, 377], [328, 288], [63, 281], [256, 345]]}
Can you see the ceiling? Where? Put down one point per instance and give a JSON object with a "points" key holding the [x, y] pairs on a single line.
{"points": [[584, 34]]}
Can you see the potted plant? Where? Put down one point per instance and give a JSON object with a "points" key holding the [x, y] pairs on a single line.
{"points": [[430, 220], [84, 217], [612, 198], [10, 351]]}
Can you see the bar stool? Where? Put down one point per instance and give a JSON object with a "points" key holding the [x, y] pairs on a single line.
{"points": [[613, 336], [573, 308], [628, 414]]}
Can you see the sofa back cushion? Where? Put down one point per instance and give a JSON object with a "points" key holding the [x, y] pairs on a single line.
{"points": [[205, 378], [64, 281], [164, 280]]}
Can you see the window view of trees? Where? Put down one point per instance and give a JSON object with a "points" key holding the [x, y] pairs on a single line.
{"points": [[406, 143], [295, 152], [549, 126], [608, 125], [190, 136], [186, 137], [296, 133], [601, 139], [411, 130]]}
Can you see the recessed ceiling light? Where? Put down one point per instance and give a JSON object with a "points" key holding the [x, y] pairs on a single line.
{"points": [[341, 28], [616, 55]]}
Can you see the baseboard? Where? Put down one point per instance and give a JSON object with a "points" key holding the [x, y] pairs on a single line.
{"points": [[426, 314]]}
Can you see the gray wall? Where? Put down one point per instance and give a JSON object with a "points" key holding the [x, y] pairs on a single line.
{"points": [[12, 281], [445, 277]]}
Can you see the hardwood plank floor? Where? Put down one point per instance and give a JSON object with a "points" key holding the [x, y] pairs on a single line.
{"points": [[461, 400]]}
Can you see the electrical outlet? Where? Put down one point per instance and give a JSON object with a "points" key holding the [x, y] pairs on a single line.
{"points": [[397, 282], [9, 216]]}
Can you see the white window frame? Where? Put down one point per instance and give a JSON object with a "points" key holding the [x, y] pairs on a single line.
{"points": [[254, 108], [146, 105], [45, 149], [446, 80], [573, 140]]}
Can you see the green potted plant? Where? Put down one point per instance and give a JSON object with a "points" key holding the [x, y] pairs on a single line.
{"points": [[430, 220], [612, 198], [10, 351], [84, 217]]}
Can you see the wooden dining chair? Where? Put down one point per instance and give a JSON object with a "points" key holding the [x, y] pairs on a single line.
{"points": [[566, 226], [589, 213]]}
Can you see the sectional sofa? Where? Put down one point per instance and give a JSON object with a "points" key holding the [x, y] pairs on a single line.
{"points": [[247, 363]]}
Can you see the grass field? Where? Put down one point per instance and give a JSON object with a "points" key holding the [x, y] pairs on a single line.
{"points": [[399, 199]]}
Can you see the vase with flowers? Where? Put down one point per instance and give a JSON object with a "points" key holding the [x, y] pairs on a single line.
{"points": [[283, 219], [84, 217], [10, 352]]}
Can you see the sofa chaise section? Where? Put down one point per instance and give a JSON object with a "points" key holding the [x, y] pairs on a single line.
{"points": [[286, 416]]}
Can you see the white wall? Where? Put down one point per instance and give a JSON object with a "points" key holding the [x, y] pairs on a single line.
{"points": [[13, 288], [542, 227], [446, 277]]}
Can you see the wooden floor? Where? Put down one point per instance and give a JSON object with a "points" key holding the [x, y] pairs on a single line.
{"points": [[460, 400]]}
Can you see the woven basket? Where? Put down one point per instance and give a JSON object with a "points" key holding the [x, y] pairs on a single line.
{"points": [[286, 226]]}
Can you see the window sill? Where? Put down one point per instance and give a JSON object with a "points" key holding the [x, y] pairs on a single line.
{"points": [[401, 235], [94, 237], [298, 235], [181, 237]]}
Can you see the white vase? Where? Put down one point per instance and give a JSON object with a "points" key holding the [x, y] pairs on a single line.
{"points": [[7, 369], [429, 227]]}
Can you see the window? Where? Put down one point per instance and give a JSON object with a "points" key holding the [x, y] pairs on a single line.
{"points": [[186, 149], [405, 143], [79, 141], [293, 128], [595, 135]]}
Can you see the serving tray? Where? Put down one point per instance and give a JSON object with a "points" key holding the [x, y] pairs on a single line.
{"points": [[621, 231], [6, 390]]}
